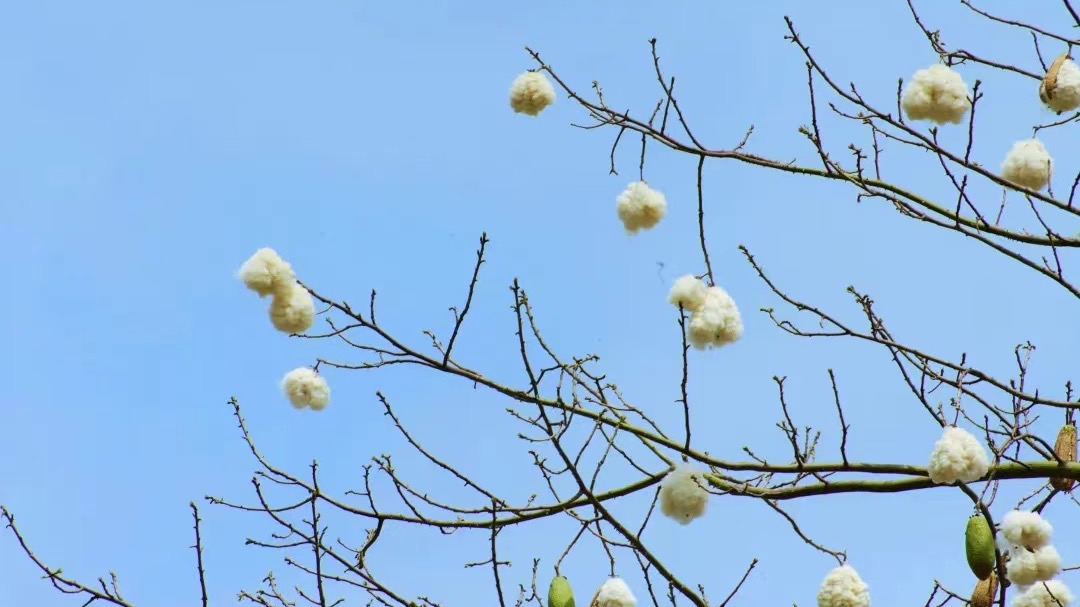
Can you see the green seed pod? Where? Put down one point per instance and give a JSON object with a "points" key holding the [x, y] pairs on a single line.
{"points": [[979, 545], [559, 593]]}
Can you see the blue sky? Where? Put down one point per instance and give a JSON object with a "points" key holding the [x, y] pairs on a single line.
{"points": [[149, 148]]}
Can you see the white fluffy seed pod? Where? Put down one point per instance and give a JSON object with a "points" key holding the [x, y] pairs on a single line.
{"points": [[1027, 567], [305, 388], [688, 292], [937, 94], [957, 456], [292, 310], [266, 272], [614, 593], [842, 587], [1063, 93], [682, 496], [640, 207], [1027, 164], [717, 322], [530, 93], [1052, 593], [1026, 529]]}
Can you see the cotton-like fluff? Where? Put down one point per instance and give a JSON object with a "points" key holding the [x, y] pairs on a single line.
{"points": [[1027, 164], [682, 498], [937, 94], [530, 93], [306, 388], [689, 292], [717, 322], [1027, 567], [614, 593], [1026, 528], [842, 587], [292, 311], [957, 456], [640, 207], [1052, 593], [1064, 94], [266, 272]]}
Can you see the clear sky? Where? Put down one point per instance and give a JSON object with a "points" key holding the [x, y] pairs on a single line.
{"points": [[148, 148]]}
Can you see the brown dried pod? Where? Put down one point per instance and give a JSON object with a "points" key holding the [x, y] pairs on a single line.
{"points": [[1049, 81], [1065, 448], [985, 591]]}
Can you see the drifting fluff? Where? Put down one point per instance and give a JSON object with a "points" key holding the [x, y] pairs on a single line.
{"points": [[1027, 165], [1053, 593], [717, 322], [640, 207], [306, 388], [1060, 87], [682, 498], [957, 456], [688, 292], [266, 272], [938, 94], [614, 593], [530, 93], [842, 587], [292, 311]]}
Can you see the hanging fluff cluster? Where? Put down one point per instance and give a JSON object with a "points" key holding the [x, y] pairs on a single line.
{"points": [[938, 94], [1053, 593], [292, 309], [614, 593], [714, 318], [957, 456], [530, 93], [1060, 87], [640, 207], [1025, 537], [842, 587], [682, 494], [306, 388], [1027, 164]]}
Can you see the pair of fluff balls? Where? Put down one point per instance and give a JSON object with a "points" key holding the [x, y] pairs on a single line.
{"points": [[683, 497], [714, 318], [1028, 164], [292, 309], [957, 456], [1025, 537], [530, 93], [842, 587], [939, 94], [306, 388]]}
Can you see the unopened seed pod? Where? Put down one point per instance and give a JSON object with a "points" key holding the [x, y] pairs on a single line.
{"points": [[559, 593], [985, 590], [979, 546], [1065, 448]]}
